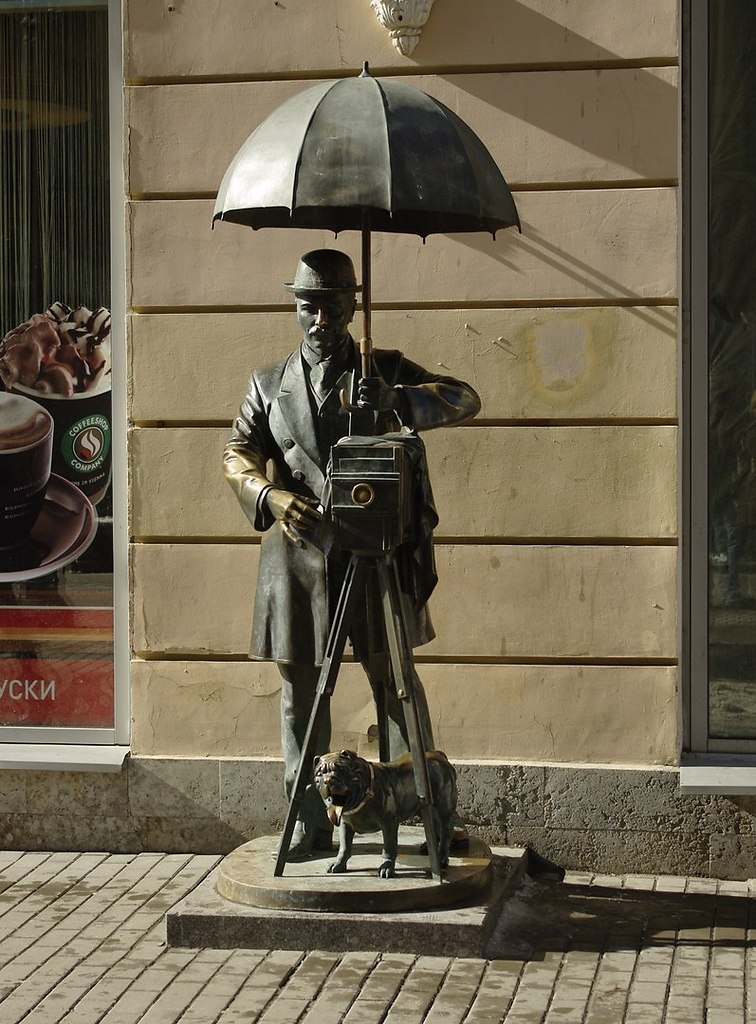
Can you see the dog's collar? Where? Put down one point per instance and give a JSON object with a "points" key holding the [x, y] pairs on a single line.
{"points": [[368, 793]]}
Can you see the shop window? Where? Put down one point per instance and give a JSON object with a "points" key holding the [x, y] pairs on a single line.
{"points": [[56, 367], [719, 298]]}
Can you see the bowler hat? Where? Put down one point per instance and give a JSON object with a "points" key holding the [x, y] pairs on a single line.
{"points": [[324, 271]]}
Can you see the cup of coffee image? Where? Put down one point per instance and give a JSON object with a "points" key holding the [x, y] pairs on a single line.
{"points": [[26, 440], [60, 359], [81, 450]]}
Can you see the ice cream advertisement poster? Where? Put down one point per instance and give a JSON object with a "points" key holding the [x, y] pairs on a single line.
{"points": [[56, 528]]}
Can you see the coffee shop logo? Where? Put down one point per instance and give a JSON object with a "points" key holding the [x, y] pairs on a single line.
{"points": [[86, 443]]}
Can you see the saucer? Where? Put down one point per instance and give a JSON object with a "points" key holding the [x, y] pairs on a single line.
{"points": [[64, 529]]}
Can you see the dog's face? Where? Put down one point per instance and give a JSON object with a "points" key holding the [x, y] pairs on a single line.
{"points": [[342, 779]]}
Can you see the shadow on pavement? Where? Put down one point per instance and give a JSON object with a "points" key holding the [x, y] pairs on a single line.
{"points": [[545, 916]]}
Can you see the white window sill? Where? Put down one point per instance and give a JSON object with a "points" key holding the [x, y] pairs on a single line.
{"points": [[60, 757], [733, 776]]}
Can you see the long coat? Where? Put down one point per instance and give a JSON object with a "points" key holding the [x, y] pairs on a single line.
{"points": [[275, 441]]}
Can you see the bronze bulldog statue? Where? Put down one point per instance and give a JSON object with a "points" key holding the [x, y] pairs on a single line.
{"points": [[362, 796]]}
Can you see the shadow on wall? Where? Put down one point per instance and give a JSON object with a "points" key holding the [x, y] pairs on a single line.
{"points": [[537, 246], [593, 127], [543, 40], [596, 134]]}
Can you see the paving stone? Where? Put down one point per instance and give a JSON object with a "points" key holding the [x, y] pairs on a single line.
{"points": [[456, 993], [690, 1005], [644, 883], [604, 881], [261, 986], [642, 1013], [386, 978], [495, 993], [609, 995], [101, 995], [647, 992], [721, 997], [579, 877], [341, 988], [727, 964], [596, 956], [418, 990], [728, 887], [709, 886], [177, 995], [310, 975], [715, 1015], [669, 883], [569, 1005]]}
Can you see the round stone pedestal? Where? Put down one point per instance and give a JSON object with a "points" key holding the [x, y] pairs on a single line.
{"points": [[246, 876]]}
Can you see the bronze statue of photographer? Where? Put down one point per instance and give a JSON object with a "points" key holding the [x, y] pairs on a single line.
{"points": [[276, 461]]}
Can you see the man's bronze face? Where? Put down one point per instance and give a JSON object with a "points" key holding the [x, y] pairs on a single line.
{"points": [[325, 320]]}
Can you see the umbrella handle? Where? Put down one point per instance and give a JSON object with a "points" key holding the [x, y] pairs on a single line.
{"points": [[346, 405], [366, 356], [366, 370]]}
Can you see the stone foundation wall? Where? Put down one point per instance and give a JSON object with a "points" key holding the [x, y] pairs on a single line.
{"points": [[592, 818]]}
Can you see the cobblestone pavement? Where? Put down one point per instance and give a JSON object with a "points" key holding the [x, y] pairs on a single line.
{"points": [[82, 940]]}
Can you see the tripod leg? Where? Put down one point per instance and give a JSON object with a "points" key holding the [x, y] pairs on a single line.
{"points": [[326, 685], [377, 666], [403, 668]]}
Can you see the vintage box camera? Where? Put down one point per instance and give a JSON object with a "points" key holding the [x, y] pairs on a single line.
{"points": [[371, 506]]}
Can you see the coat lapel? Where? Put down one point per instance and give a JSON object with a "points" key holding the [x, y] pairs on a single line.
{"points": [[295, 407], [294, 404]]}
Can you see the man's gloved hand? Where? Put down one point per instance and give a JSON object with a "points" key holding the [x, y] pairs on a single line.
{"points": [[299, 516], [374, 393]]}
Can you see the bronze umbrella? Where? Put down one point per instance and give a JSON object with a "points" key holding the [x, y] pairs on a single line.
{"points": [[366, 154]]}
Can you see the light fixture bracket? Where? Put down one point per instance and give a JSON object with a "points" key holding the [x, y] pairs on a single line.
{"points": [[404, 20]]}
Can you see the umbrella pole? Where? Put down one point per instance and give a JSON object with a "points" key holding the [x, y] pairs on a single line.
{"points": [[366, 341]]}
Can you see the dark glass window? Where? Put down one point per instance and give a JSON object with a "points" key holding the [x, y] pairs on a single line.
{"points": [[732, 369]]}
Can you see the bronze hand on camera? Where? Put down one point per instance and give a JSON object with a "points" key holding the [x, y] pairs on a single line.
{"points": [[276, 461]]}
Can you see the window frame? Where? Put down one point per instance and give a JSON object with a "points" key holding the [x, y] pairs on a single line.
{"points": [[708, 765]]}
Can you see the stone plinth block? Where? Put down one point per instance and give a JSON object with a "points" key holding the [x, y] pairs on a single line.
{"points": [[480, 882]]}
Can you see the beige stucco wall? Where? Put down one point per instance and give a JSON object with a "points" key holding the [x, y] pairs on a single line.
{"points": [[556, 607]]}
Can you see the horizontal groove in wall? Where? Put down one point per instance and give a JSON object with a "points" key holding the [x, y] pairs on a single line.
{"points": [[605, 421], [622, 542], [636, 302], [520, 660], [180, 424], [515, 186], [570, 542], [149, 539], [617, 63], [607, 184], [587, 421], [429, 660]]}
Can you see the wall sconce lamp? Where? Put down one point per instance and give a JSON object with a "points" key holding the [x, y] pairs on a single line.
{"points": [[404, 20]]}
